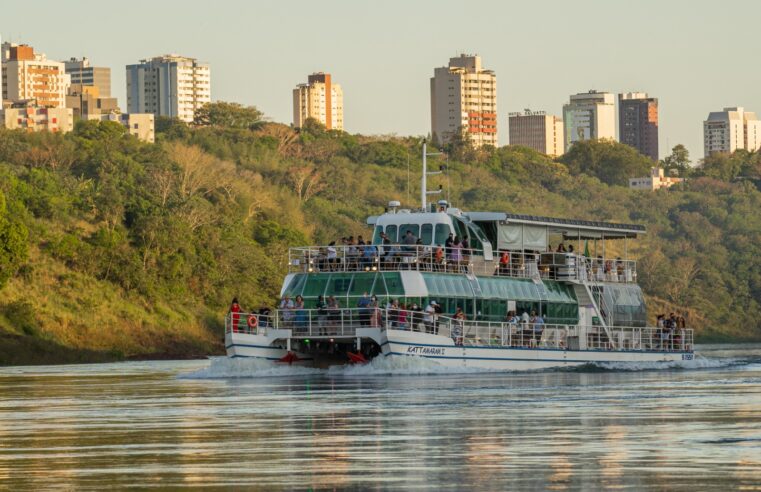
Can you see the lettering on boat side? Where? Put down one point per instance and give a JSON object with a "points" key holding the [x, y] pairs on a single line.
{"points": [[425, 350], [687, 356]]}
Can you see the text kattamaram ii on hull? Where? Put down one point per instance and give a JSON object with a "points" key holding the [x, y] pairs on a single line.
{"points": [[507, 299]]}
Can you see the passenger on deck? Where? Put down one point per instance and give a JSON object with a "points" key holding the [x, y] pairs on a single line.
{"points": [[264, 317], [302, 321], [334, 311], [561, 248], [332, 256], [369, 256], [504, 264], [376, 316], [465, 249], [570, 248], [402, 321], [438, 258], [322, 315], [235, 314], [409, 241], [448, 246], [364, 309], [538, 328], [458, 328], [620, 269], [456, 258], [286, 310], [429, 317]]}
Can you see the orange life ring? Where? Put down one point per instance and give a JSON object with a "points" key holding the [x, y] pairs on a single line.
{"points": [[252, 321]]}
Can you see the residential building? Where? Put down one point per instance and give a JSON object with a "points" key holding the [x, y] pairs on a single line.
{"points": [[655, 181], [82, 72], [588, 116], [730, 130], [28, 115], [464, 102], [139, 125], [168, 85], [85, 100], [31, 76], [320, 99], [638, 122], [537, 130]]}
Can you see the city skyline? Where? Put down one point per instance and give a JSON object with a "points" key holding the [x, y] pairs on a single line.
{"points": [[675, 60]]}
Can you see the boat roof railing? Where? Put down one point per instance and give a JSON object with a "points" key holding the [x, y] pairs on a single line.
{"points": [[594, 229]]}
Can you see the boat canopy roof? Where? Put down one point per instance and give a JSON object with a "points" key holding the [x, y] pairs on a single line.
{"points": [[586, 229]]}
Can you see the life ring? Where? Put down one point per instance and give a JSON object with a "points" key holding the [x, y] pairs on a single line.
{"points": [[252, 321]]}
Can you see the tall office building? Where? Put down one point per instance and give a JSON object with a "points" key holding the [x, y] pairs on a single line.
{"points": [[464, 102], [31, 76], [168, 85], [537, 130], [320, 99], [730, 130], [589, 115], [82, 72], [638, 122]]}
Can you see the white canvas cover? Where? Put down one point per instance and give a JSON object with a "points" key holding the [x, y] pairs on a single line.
{"points": [[517, 236]]}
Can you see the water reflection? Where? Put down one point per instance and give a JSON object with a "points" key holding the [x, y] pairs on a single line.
{"points": [[137, 424]]}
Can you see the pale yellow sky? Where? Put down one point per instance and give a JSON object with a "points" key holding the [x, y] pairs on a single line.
{"points": [[695, 56]]}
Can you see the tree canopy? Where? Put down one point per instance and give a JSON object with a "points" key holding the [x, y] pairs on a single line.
{"points": [[611, 162], [228, 115]]}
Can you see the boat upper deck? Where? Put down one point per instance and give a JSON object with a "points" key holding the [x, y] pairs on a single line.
{"points": [[563, 266]]}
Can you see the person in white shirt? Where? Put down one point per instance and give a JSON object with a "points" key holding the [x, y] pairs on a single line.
{"points": [[429, 316]]}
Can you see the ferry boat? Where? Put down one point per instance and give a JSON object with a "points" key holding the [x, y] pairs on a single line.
{"points": [[510, 301]]}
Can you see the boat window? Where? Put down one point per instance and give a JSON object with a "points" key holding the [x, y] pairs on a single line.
{"points": [[408, 227], [339, 284], [296, 285], [426, 233], [376, 235], [361, 283], [459, 228], [391, 232], [442, 233], [393, 283], [315, 285]]}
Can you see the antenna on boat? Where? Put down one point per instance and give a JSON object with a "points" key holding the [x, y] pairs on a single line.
{"points": [[423, 188]]}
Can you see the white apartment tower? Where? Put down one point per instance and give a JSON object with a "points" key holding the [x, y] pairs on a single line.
{"points": [[320, 99], [588, 116], [730, 130], [538, 131], [464, 102], [168, 85], [28, 76]]}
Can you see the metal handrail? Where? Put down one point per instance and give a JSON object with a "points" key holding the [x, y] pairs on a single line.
{"points": [[344, 322], [395, 257]]}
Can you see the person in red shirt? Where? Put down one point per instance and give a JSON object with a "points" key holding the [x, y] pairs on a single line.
{"points": [[235, 310]]}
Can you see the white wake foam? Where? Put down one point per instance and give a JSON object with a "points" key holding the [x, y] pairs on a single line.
{"points": [[402, 366], [698, 362], [247, 367]]}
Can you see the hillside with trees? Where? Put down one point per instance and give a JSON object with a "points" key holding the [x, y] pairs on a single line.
{"points": [[113, 248]]}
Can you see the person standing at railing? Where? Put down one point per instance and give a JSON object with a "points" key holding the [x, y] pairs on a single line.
{"points": [[403, 317], [332, 256], [369, 256], [234, 314], [322, 315], [456, 254], [301, 314], [364, 309], [429, 314], [286, 309], [376, 318], [465, 249], [459, 325], [448, 246], [334, 312], [438, 258], [409, 241], [538, 328]]}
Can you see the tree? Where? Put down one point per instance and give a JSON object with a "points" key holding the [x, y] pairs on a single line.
{"points": [[228, 115], [678, 161], [611, 162], [14, 247]]}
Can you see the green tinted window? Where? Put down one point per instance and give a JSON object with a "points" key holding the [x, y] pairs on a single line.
{"points": [[408, 227], [315, 284], [296, 285], [362, 282], [393, 283], [426, 233], [442, 233], [376, 235], [339, 284], [391, 233]]}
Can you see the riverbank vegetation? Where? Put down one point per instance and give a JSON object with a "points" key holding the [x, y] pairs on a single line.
{"points": [[112, 248]]}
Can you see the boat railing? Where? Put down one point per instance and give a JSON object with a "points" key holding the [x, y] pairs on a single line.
{"points": [[344, 322], [559, 336], [314, 323], [372, 258]]}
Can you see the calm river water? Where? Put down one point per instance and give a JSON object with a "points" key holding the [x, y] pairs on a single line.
{"points": [[233, 423]]}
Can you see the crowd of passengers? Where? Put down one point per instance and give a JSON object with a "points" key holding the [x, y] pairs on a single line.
{"points": [[453, 256], [358, 255], [670, 329]]}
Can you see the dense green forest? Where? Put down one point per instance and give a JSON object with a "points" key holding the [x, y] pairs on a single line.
{"points": [[114, 248]]}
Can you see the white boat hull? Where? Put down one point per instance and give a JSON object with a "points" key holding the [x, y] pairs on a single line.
{"points": [[268, 347], [441, 349]]}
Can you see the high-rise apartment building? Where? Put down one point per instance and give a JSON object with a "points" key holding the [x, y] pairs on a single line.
{"points": [[537, 130], [730, 130], [82, 72], [589, 115], [320, 99], [638, 122], [464, 102], [139, 125], [168, 85], [31, 76]]}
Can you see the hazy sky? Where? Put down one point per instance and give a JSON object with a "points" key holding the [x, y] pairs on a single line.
{"points": [[696, 56]]}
